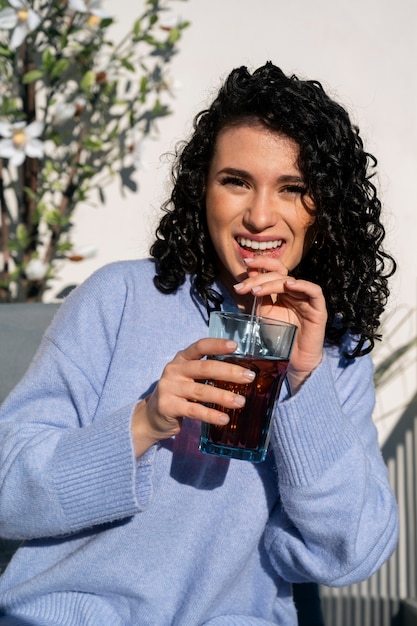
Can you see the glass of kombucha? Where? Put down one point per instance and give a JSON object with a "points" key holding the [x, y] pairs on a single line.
{"points": [[264, 346]]}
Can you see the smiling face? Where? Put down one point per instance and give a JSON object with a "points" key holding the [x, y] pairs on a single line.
{"points": [[256, 200]]}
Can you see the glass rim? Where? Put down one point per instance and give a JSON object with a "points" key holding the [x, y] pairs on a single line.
{"points": [[260, 319]]}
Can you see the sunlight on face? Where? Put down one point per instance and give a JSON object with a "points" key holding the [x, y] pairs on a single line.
{"points": [[256, 199]]}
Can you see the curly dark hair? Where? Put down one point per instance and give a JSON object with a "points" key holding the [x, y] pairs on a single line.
{"points": [[347, 259]]}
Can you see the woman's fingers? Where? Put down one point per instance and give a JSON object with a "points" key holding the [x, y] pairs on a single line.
{"points": [[199, 392], [263, 283], [183, 368], [263, 264], [182, 392], [204, 347], [184, 379], [301, 288], [297, 295], [297, 301]]}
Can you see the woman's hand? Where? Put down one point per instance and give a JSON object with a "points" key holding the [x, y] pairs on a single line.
{"points": [[182, 392], [297, 301]]}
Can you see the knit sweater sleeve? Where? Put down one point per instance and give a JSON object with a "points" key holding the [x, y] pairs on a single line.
{"points": [[337, 519], [63, 466]]}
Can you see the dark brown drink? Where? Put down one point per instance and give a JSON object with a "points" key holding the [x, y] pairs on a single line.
{"points": [[246, 435]]}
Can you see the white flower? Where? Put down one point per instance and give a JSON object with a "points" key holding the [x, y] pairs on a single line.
{"points": [[20, 141], [77, 5], [36, 269], [169, 21], [172, 85], [106, 73], [92, 7], [80, 104], [21, 18], [65, 111], [81, 253]]}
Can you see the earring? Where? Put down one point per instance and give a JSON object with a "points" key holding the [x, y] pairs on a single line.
{"points": [[318, 242]]}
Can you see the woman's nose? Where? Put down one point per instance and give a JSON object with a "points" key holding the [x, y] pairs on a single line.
{"points": [[260, 213]]}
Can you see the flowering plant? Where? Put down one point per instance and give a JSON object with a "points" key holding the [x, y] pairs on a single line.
{"points": [[75, 108]]}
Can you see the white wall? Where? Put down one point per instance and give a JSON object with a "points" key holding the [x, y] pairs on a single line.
{"points": [[363, 51]]}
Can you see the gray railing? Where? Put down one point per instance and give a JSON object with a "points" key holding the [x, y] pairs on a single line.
{"points": [[388, 597]]}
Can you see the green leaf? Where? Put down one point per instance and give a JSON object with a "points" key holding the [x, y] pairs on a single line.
{"points": [[65, 246], [55, 137], [105, 22], [174, 35], [87, 81], [48, 60], [49, 168], [32, 76], [54, 218], [152, 41], [137, 27], [22, 235], [64, 40], [29, 192], [5, 52], [39, 211], [13, 245], [127, 64], [59, 68], [92, 144], [10, 106], [14, 274], [143, 86], [87, 170]]}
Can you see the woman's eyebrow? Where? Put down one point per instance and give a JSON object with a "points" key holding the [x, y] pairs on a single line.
{"points": [[234, 172], [284, 178], [291, 178]]}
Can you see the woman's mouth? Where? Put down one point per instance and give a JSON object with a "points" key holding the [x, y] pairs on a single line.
{"points": [[259, 246]]}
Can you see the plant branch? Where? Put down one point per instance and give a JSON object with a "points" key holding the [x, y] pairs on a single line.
{"points": [[90, 93], [30, 166], [4, 272], [66, 197]]}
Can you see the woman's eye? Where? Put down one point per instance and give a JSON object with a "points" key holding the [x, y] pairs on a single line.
{"points": [[233, 180], [295, 189]]}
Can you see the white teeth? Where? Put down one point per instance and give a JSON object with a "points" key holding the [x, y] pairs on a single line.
{"points": [[259, 245]]}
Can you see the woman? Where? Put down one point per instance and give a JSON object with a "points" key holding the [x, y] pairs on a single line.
{"points": [[124, 520]]}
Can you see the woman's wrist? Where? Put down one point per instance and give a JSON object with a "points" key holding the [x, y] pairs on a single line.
{"points": [[142, 434], [296, 378]]}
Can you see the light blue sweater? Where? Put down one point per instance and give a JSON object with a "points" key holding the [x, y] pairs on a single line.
{"points": [[176, 538]]}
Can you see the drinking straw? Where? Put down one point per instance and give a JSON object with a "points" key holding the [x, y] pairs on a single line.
{"points": [[254, 323]]}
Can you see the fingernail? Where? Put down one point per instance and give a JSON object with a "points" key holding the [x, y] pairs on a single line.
{"points": [[222, 418], [231, 344], [238, 287], [256, 289], [249, 260], [249, 375], [239, 401]]}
